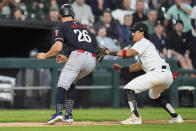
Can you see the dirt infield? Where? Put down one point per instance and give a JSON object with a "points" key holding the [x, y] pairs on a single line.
{"points": [[31, 124]]}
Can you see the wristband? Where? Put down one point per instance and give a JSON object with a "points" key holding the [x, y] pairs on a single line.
{"points": [[125, 69], [113, 53], [124, 53]]}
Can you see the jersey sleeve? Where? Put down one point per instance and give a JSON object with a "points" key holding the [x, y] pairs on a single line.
{"points": [[140, 47], [59, 34]]}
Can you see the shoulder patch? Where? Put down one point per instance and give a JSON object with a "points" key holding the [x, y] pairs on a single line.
{"points": [[56, 32]]}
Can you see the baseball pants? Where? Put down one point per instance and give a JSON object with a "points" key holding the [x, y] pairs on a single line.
{"points": [[155, 81], [79, 65]]}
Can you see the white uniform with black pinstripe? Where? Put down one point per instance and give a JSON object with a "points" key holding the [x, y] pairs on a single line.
{"points": [[158, 76]]}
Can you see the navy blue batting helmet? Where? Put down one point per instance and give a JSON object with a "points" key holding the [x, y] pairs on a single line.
{"points": [[66, 10]]}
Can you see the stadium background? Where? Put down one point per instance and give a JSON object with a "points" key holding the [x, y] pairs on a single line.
{"points": [[103, 88]]}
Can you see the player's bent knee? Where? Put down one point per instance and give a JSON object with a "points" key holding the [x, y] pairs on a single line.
{"points": [[133, 89], [129, 88]]}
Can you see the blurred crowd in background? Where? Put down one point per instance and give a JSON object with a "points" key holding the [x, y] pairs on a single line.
{"points": [[171, 23]]}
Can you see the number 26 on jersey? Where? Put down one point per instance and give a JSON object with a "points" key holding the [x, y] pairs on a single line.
{"points": [[83, 35]]}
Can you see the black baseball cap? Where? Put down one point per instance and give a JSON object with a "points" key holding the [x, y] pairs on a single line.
{"points": [[140, 27]]}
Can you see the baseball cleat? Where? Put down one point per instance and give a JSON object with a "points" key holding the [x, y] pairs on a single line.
{"points": [[178, 119], [132, 120], [68, 118], [55, 117]]}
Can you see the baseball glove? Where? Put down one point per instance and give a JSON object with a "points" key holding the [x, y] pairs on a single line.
{"points": [[100, 53]]}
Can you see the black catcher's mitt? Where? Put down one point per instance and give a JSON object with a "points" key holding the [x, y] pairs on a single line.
{"points": [[100, 53]]}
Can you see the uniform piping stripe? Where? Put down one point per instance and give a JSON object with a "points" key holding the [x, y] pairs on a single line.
{"points": [[59, 39]]}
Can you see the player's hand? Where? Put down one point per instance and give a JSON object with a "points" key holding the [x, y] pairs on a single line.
{"points": [[61, 58], [41, 56], [116, 67]]}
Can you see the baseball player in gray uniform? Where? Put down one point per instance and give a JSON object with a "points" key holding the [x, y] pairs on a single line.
{"points": [[156, 79], [81, 61]]}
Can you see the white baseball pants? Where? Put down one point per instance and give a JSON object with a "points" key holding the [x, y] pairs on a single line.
{"points": [[156, 81]]}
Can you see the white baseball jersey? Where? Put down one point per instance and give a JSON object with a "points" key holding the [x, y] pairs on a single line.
{"points": [[158, 76], [148, 55]]}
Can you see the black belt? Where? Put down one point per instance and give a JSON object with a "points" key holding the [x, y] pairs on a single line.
{"points": [[163, 67]]}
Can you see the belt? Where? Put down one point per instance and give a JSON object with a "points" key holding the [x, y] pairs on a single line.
{"points": [[83, 51], [162, 67]]}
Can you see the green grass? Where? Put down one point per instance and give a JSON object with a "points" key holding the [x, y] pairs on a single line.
{"points": [[93, 114], [100, 115], [144, 127]]}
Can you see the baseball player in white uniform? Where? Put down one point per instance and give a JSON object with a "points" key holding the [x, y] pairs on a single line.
{"points": [[156, 79]]}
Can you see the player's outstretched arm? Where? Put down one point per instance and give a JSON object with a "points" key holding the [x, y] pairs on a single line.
{"points": [[54, 50], [122, 53], [131, 68]]}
